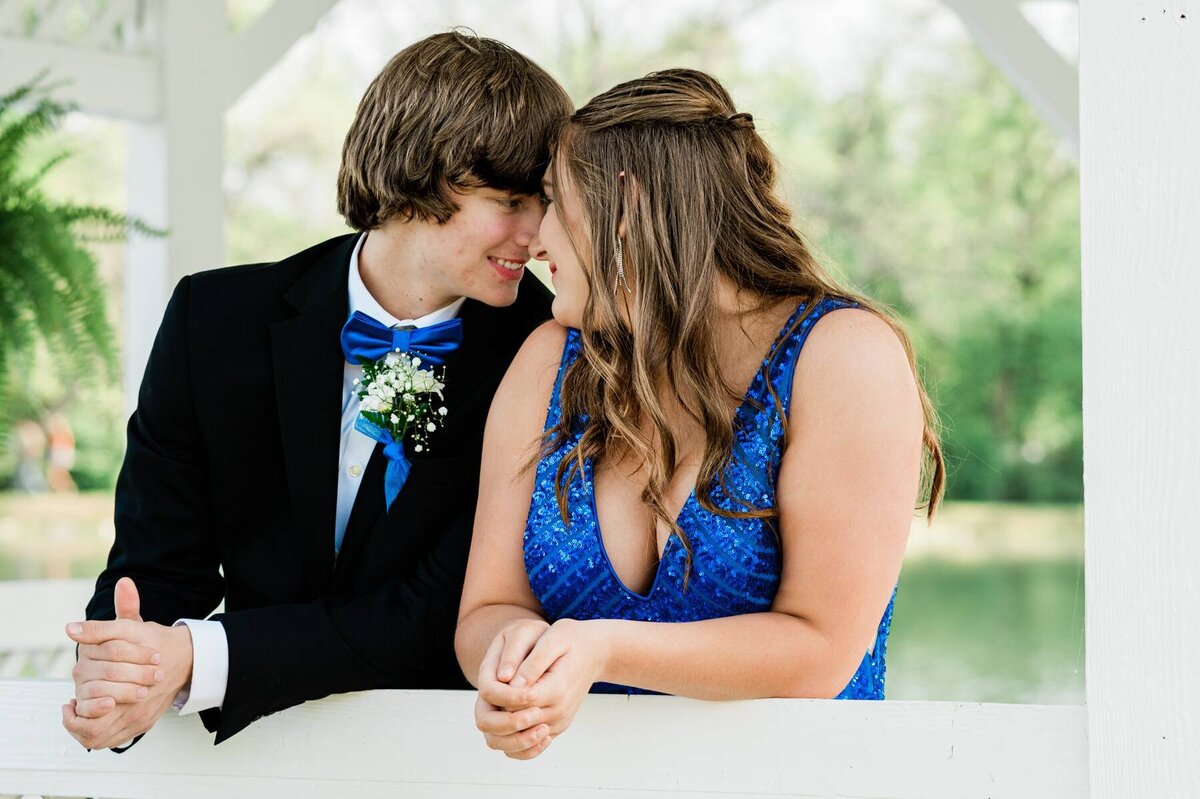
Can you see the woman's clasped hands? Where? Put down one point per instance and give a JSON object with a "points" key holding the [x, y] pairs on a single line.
{"points": [[533, 679]]}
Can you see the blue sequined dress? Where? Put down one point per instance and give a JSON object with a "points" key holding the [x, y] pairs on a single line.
{"points": [[735, 562]]}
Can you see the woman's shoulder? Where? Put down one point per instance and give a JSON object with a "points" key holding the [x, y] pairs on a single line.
{"points": [[853, 358], [531, 376], [544, 345]]}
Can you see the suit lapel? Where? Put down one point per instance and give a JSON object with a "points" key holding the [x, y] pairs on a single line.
{"points": [[472, 363], [309, 367]]}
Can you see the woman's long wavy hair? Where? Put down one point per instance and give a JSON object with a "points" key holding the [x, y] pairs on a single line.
{"points": [[695, 185]]}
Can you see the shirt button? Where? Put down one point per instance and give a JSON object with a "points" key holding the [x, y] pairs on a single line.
{"points": [[355, 470]]}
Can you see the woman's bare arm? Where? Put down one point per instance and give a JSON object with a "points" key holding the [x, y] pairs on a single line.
{"points": [[496, 592]]}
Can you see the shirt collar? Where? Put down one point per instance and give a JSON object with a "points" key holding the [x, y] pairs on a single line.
{"points": [[361, 300]]}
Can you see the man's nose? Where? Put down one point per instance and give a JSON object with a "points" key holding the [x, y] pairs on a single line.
{"points": [[531, 223], [536, 251]]}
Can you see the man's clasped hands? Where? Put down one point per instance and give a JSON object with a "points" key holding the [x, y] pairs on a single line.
{"points": [[128, 673]]}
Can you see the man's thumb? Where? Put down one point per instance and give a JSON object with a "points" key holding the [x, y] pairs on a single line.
{"points": [[125, 597]]}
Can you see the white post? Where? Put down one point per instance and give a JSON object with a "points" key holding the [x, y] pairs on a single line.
{"points": [[1140, 169], [175, 169]]}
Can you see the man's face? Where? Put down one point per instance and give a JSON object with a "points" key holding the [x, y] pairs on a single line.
{"points": [[481, 251]]}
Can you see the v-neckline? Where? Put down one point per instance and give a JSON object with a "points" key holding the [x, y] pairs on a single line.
{"points": [[590, 476]]}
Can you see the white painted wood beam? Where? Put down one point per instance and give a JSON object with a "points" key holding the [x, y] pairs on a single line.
{"points": [[100, 31], [175, 171], [1043, 77], [11, 12], [1140, 181], [108, 84], [50, 22], [260, 46], [424, 744]]}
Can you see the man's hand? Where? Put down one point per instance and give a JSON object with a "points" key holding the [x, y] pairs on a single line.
{"points": [[129, 673]]}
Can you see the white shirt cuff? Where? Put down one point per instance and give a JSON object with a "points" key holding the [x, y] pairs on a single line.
{"points": [[210, 667]]}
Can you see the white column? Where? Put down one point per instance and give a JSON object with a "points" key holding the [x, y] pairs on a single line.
{"points": [[175, 170], [1140, 180]]}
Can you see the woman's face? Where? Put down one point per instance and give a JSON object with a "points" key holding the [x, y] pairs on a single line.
{"points": [[553, 244]]}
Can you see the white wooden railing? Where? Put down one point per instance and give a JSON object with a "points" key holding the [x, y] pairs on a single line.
{"points": [[33, 614], [423, 743]]}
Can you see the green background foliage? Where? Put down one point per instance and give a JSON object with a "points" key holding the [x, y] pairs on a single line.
{"points": [[945, 197]]}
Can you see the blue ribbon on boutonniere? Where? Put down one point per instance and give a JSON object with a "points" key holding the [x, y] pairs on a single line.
{"points": [[398, 465]]}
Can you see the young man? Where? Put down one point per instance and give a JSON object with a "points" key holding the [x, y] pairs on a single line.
{"points": [[245, 478]]}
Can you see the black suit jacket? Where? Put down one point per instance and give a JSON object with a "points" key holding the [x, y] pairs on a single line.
{"points": [[229, 489]]}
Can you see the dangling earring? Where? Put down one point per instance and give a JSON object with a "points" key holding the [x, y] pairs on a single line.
{"points": [[620, 278]]}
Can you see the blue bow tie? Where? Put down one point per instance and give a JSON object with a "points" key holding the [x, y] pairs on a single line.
{"points": [[365, 339]]}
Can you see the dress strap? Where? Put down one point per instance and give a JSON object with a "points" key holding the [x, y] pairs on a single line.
{"points": [[571, 348], [787, 351]]}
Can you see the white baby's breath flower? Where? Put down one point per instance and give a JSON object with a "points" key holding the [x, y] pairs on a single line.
{"points": [[400, 393]]}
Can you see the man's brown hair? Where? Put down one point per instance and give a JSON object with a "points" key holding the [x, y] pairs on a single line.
{"points": [[452, 111]]}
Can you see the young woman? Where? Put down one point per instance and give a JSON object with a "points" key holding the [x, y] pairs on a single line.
{"points": [[717, 500]]}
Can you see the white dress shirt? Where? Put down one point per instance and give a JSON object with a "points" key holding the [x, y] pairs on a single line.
{"points": [[210, 647]]}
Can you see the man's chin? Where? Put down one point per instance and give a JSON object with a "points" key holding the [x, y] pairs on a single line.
{"points": [[498, 299]]}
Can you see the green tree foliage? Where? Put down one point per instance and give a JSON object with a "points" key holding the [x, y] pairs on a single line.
{"points": [[51, 296], [954, 203]]}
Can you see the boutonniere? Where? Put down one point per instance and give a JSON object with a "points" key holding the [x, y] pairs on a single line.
{"points": [[396, 394], [399, 401]]}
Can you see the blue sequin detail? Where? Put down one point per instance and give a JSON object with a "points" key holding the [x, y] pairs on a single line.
{"points": [[736, 563]]}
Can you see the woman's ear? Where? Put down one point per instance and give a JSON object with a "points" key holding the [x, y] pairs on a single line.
{"points": [[633, 194]]}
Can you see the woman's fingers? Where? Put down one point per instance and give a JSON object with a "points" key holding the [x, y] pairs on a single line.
{"points": [[518, 642], [119, 651], [543, 655], [501, 722], [491, 658], [518, 741], [533, 751]]}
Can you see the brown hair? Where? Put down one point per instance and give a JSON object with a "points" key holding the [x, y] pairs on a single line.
{"points": [[452, 111], [701, 201]]}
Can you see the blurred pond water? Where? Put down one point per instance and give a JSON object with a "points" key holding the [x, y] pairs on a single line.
{"points": [[1007, 631]]}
